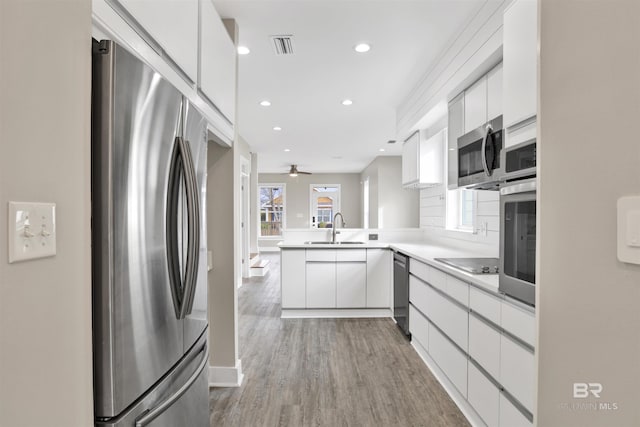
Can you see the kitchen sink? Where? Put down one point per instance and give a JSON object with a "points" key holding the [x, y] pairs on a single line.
{"points": [[334, 243]]}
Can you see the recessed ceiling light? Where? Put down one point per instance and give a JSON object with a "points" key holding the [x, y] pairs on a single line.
{"points": [[347, 102], [277, 128], [286, 150], [362, 47], [381, 150], [265, 103], [243, 50]]}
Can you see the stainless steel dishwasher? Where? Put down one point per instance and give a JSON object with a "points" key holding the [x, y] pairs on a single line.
{"points": [[401, 291]]}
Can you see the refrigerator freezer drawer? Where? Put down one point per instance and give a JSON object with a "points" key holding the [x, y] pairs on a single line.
{"points": [[180, 398]]}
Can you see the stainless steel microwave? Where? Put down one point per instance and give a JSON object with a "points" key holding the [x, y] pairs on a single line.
{"points": [[479, 151]]}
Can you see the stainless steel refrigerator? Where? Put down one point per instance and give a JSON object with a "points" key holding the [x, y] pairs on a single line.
{"points": [[149, 247]]}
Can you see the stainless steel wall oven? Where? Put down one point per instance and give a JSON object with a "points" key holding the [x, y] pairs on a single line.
{"points": [[518, 223]]}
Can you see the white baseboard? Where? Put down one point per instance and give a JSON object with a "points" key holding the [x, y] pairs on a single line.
{"points": [[226, 376], [288, 313], [470, 414]]}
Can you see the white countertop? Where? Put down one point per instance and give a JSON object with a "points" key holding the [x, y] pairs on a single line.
{"points": [[426, 253]]}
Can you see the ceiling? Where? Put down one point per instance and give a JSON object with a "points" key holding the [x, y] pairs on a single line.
{"points": [[306, 89]]}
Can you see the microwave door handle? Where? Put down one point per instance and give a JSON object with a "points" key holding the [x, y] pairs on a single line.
{"points": [[485, 165]]}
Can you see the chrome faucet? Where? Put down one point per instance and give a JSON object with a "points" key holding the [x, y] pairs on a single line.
{"points": [[335, 226]]}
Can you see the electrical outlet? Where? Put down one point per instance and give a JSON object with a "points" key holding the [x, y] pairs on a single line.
{"points": [[373, 236], [32, 231]]}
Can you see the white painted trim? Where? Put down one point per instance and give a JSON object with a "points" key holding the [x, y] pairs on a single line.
{"points": [[268, 249], [465, 407], [288, 313], [224, 376]]}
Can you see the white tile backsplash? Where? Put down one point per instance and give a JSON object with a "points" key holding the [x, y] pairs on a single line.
{"points": [[433, 216]]}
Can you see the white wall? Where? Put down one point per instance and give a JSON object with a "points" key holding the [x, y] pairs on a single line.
{"points": [[45, 305], [390, 205], [297, 196], [588, 301]]}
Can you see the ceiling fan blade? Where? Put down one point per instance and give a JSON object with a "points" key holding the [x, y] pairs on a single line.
{"points": [[305, 173]]}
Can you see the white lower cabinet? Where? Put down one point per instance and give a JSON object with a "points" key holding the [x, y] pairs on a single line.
{"points": [[292, 278], [321, 285], [452, 319], [419, 327], [379, 279], [351, 284], [510, 416], [484, 397], [484, 345], [449, 358], [517, 367]]}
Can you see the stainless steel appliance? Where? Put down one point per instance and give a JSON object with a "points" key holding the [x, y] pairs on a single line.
{"points": [[149, 248], [473, 265], [479, 164], [518, 224], [401, 291]]}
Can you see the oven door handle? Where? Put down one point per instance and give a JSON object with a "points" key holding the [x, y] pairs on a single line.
{"points": [[485, 165], [524, 186]]}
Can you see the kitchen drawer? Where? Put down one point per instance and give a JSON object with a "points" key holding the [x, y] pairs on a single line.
{"points": [[438, 279], [484, 397], [486, 305], [519, 322], [419, 327], [448, 316], [510, 416], [418, 295], [419, 269], [351, 255], [517, 368], [484, 346], [328, 255], [451, 360], [458, 290]]}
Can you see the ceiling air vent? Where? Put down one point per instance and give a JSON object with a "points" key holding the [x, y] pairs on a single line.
{"points": [[283, 45]]}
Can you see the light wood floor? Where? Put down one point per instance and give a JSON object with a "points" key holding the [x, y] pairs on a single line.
{"points": [[325, 372]]}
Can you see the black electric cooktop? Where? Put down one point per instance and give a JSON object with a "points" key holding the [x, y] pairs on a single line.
{"points": [[473, 265]]}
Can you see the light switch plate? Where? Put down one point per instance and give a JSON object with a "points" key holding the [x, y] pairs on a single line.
{"points": [[629, 229], [32, 230]]}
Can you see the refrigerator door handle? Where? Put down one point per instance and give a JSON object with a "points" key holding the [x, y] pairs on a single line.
{"points": [[155, 412], [193, 250], [182, 286]]}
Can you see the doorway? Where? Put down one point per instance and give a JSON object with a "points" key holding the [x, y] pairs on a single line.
{"points": [[324, 204]]}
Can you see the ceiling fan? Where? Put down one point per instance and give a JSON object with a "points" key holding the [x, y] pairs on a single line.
{"points": [[293, 172]]}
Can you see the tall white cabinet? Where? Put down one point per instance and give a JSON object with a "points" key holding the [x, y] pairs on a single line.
{"points": [[520, 80]]}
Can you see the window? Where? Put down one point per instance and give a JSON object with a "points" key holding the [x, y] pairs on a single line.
{"points": [[271, 210], [461, 206], [325, 203]]}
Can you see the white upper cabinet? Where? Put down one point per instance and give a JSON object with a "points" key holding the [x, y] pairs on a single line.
{"points": [[483, 99], [520, 54], [217, 62], [410, 156], [475, 105], [455, 130], [494, 92], [173, 24], [423, 161]]}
